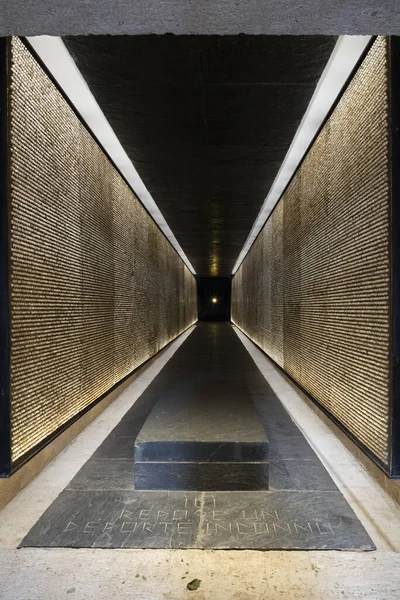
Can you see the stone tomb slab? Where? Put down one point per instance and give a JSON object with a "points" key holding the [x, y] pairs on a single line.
{"points": [[221, 520], [188, 439]]}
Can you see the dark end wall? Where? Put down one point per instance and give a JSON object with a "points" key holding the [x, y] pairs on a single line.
{"points": [[214, 298]]}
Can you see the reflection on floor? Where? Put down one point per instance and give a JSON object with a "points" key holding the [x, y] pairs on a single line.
{"points": [[302, 508]]}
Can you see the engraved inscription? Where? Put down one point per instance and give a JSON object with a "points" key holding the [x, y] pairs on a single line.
{"points": [[190, 517]]}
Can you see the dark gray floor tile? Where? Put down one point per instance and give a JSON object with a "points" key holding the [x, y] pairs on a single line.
{"points": [[294, 447], [103, 511], [106, 475], [200, 476], [117, 446], [307, 475], [258, 520]]}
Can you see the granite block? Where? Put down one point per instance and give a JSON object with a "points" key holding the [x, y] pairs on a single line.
{"points": [[209, 476], [201, 451]]}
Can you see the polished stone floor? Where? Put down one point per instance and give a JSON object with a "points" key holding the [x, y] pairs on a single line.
{"points": [[204, 432], [302, 509]]}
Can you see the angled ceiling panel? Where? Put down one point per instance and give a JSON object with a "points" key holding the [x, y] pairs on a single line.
{"points": [[206, 121]]}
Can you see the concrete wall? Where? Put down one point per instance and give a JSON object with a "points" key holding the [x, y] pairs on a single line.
{"points": [[75, 17]]}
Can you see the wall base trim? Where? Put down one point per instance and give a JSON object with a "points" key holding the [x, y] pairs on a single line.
{"points": [[11, 486]]}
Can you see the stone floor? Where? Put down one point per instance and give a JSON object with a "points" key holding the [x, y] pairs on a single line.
{"points": [[225, 575], [43, 574]]}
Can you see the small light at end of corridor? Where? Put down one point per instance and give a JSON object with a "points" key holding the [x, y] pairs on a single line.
{"points": [[214, 300]]}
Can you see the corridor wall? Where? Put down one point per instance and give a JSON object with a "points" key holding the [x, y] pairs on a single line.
{"points": [[95, 287], [314, 291]]}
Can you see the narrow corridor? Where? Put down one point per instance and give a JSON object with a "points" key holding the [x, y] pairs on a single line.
{"points": [[199, 338]]}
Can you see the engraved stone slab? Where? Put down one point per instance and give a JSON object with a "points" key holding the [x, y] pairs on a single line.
{"points": [[258, 520]]}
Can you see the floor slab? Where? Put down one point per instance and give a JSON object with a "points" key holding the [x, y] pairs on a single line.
{"points": [[50, 574], [229, 520]]}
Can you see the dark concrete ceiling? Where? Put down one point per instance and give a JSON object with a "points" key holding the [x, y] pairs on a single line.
{"points": [[206, 121], [222, 17]]}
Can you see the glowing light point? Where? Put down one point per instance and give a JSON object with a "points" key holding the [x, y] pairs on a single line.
{"points": [[214, 300]]}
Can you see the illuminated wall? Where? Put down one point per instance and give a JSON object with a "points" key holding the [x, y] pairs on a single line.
{"points": [[96, 288], [314, 291]]}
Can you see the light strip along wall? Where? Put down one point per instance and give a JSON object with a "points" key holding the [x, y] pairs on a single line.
{"points": [[314, 290], [96, 288], [347, 53], [60, 64]]}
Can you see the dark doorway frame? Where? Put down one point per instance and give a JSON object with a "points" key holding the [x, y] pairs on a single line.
{"points": [[214, 298]]}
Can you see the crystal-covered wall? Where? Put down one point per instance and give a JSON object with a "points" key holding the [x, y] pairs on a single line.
{"points": [[314, 290], [96, 288]]}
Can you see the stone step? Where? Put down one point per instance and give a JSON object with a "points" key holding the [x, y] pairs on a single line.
{"points": [[202, 440]]}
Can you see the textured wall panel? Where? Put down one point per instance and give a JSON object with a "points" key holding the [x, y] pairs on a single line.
{"points": [[322, 263], [96, 289]]}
